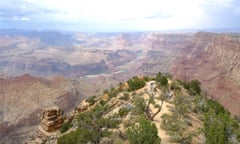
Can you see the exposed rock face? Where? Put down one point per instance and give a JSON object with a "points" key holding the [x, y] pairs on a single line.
{"points": [[23, 98], [79, 54], [214, 59], [163, 50], [51, 119], [103, 60]]}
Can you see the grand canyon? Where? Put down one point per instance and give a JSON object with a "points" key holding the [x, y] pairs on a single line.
{"points": [[42, 69]]}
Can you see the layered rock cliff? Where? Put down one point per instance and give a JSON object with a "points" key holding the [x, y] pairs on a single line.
{"points": [[214, 59]]}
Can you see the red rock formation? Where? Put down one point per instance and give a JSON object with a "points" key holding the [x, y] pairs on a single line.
{"points": [[52, 119], [214, 59], [23, 98]]}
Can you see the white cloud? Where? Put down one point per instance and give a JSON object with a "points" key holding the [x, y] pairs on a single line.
{"points": [[114, 11], [16, 18], [25, 18], [142, 14]]}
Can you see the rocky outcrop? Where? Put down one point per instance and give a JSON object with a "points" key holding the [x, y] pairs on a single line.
{"points": [[51, 119], [23, 98]]}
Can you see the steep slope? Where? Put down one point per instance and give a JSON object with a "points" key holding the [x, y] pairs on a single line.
{"points": [[23, 98], [214, 59], [148, 110]]}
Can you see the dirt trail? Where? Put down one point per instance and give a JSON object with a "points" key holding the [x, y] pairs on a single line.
{"points": [[165, 139], [158, 120]]}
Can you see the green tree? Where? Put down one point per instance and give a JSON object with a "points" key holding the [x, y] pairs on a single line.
{"points": [[143, 133], [135, 83], [92, 126], [219, 126], [193, 86], [162, 79]]}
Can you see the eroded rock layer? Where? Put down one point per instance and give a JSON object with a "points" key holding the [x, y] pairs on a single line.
{"points": [[23, 98], [214, 59]]}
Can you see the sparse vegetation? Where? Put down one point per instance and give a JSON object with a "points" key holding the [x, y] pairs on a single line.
{"points": [[145, 132], [193, 86], [177, 123], [219, 127], [91, 127], [140, 106], [188, 107]]}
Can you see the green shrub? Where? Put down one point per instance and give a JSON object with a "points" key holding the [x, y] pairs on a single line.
{"points": [[146, 78], [143, 133], [65, 127], [102, 102], [92, 127], [113, 93], [123, 112], [91, 100], [135, 83], [219, 126], [140, 106], [193, 86], [161, 79]]}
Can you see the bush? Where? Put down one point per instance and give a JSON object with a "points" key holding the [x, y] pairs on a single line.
{"points": [[193, 86], [102, 102], [135, 83], [219, 126], [140, 106], [144, 133], [162, 79], [91, 100], [146, 78], [92, 127], [113, 93], [65, 127], [123, 112]]}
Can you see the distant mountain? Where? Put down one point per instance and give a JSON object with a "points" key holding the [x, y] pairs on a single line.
{"points": [[55, 38]]}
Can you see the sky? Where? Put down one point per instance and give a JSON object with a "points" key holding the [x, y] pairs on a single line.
{"points": [[119, 15]]}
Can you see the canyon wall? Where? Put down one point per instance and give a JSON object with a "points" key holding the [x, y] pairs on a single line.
{"points": [[214, 59]]}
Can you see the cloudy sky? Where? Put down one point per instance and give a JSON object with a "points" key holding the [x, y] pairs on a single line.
{"points": [[119, 15]]}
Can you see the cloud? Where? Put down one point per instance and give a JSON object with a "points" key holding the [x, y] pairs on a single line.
{"points": [[119, 14], [15, 18], [14, 9]]}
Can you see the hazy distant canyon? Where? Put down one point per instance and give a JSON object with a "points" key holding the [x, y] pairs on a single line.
{"points": [[75, 65]]}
